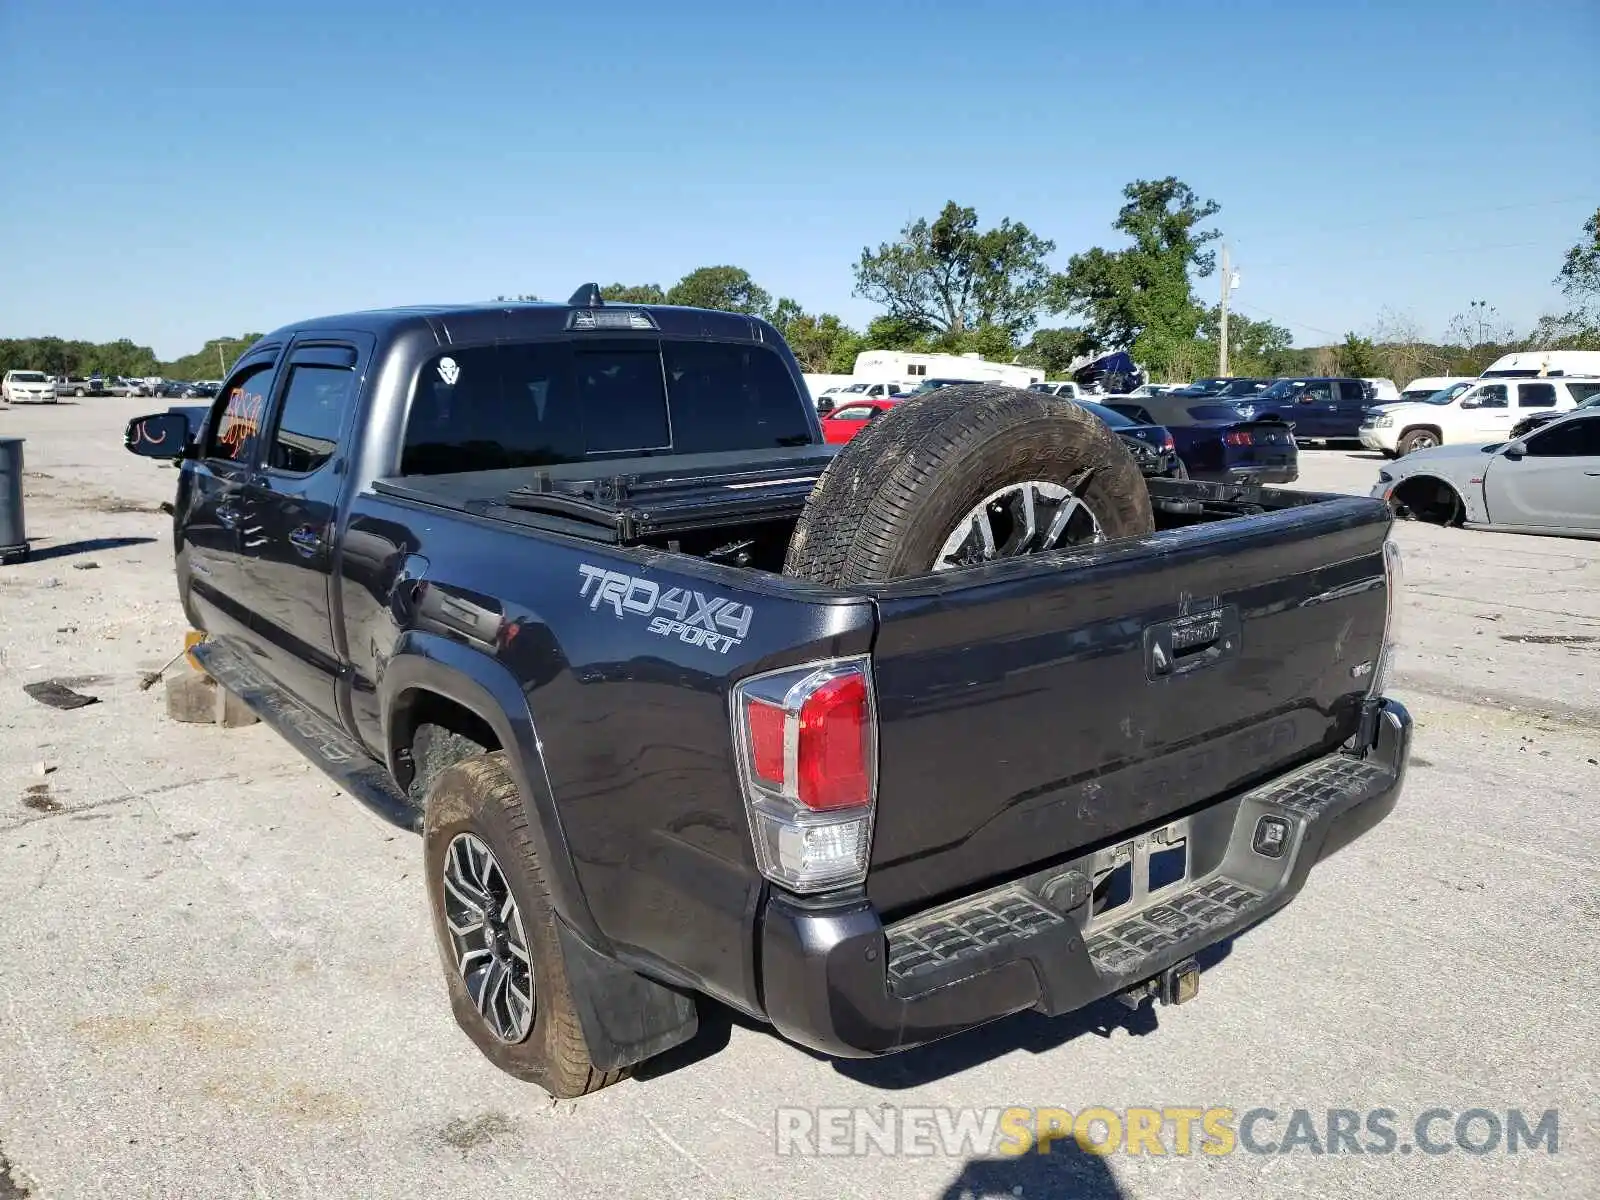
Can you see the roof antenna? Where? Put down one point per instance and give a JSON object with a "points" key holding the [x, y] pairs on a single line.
{"points": [[588, 296]]}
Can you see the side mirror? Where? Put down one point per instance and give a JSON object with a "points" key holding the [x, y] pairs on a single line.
{"points": [[159, 435], [1470, 402], [1515, 449]]}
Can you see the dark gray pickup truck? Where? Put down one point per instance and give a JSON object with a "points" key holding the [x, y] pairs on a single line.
{"points": [[512, 575]]}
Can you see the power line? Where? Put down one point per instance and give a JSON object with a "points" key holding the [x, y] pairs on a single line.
{"points": [[1250, 308], [1461, 212]]}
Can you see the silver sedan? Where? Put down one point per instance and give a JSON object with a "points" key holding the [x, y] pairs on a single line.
{"points": [[1546, 482]]}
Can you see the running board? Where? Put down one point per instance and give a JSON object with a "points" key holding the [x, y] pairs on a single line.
{"points": [[322, 742]]}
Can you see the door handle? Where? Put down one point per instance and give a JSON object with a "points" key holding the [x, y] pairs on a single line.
{"points": [[227, 516], [306, 540]]}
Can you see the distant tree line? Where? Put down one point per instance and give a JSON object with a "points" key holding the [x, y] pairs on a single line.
{"points": [[947, 284], [58, 356]]}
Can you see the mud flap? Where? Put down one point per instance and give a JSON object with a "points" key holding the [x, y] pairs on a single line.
{"points": [[626, 1018]]}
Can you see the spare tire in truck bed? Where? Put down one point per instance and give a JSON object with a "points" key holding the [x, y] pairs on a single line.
{"points": [[964, 475]]}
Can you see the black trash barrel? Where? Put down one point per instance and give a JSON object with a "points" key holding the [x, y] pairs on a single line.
{"points": [[13, 533]]}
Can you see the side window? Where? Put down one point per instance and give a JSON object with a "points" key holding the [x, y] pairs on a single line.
{"points": [[310, 418], [235, 424], [1579, 438], [1582, 393], [1320, 393], [1491, 395], [856, 412], [1352, 391], [1536, 395]]}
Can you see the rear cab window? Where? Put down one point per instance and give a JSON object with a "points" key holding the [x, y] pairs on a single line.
{"points": [[545, 403]]}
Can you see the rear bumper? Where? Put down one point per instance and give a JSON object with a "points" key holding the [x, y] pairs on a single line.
{"points": [[836, 980]]}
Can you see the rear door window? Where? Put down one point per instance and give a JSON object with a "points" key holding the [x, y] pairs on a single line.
{"points": [[1536, 395], [315, 401]]}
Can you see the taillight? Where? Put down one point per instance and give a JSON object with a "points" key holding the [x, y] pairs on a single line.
{"points": [[1167, 443], [806, 739], [1238, 437]]}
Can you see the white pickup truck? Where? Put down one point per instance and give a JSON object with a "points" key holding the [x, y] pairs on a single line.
{"points": [[28, 387], [1484, 412]]}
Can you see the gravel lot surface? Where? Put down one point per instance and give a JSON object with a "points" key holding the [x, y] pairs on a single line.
{"points": [[217, 978]]}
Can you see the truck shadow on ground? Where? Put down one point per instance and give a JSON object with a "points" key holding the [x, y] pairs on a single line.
{"points": [[87, 546], [1066, 1173]]}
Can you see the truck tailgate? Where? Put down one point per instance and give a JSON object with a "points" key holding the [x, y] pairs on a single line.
{"points": [[1028, 714]]}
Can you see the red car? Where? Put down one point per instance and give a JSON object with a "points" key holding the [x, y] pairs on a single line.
{"points": [[844, 423]]}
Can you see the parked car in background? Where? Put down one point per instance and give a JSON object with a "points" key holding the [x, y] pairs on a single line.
{"points": [[1151, 445], [1057, 388], [1319, 409], [929, 385], [1483, 412], [1425, 387], [843, 423], [28, 387], [1538, 420], [1215, 442], [1225, 389], [1153, 389], [1381, 391], [78, 385], [852, 392], [1547, 482]]}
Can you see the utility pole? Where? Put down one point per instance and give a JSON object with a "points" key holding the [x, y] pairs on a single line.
{"points": [[1222, 363]]}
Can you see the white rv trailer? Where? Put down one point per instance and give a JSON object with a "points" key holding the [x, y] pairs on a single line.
{"points": [[908, 368]]}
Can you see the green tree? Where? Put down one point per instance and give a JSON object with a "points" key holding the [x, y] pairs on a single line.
{"points": [[634, 293], [822, 343], [1139, 298], [1357, 356], [1255, 348], [728, 289], [890, 332], [946, 277], [212, 361], [1055, 350], [1580, 272]]}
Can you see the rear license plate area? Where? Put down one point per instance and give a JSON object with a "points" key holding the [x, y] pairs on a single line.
{"points": [[1138, 874]]}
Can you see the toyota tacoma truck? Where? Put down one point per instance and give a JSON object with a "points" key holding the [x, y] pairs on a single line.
{"points": [[514, 577]]}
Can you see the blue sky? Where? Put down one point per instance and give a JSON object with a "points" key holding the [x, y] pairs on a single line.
{"points": [[183, 170]]}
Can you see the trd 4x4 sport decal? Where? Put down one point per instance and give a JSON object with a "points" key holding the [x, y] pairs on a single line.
{"points": [[693, 618]]}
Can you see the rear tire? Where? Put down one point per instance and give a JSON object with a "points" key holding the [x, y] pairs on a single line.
{"points": [[474, 804], [890, 502]]}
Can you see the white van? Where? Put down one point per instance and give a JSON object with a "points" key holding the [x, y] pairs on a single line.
{"points": [[1483, 412], [1531, 364]]}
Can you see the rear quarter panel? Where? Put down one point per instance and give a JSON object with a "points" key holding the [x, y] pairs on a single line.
{"points": [[630, 715]]}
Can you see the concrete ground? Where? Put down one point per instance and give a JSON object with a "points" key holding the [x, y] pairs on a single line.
{"points": [[217, 976]]}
